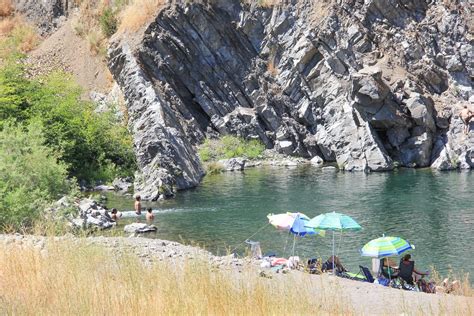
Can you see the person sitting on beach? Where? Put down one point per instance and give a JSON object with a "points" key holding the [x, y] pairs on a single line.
{"points": [[314, 266], [389, 268], [407, 270], [115, 214], [466, 116], [328, 265], [138, 205], [149, 214]]}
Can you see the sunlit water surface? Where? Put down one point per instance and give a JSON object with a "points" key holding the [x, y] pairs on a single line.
{"points": [[432, 210]]}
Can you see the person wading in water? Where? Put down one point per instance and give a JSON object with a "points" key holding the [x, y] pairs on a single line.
{"points": [[138, 205]]}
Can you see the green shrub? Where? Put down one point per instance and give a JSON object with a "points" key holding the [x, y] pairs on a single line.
{"points": [[230, 147], [108, 22], [14, 90], [94, 146], [31, 175], [214, 167]]}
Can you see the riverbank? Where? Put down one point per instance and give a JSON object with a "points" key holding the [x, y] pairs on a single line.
{"points": [[110, 275]]}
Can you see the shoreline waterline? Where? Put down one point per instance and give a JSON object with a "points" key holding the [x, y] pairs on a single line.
{"points": [[430, 209]]}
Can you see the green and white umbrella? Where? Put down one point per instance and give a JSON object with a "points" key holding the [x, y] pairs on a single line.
{"points": [[334, 222]]}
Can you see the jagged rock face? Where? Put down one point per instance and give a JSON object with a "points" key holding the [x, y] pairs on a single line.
{"points": [[165, 156], [367, 84], [47, 15]]}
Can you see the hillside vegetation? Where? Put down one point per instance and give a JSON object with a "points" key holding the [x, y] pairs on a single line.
{"points": [[99, 20], [16, 35], [50, 138]]}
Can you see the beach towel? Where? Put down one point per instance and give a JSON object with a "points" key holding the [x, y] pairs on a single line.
{"points": [[279, 261]]}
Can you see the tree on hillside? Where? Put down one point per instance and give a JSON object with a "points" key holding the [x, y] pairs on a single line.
{"points": [[94, 146], [31, 175]]}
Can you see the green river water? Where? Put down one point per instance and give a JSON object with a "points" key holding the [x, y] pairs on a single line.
{"points": [[432, 210]]}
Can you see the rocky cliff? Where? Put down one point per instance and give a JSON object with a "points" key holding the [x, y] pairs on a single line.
{"points": [[371, 85], [46, 15]]}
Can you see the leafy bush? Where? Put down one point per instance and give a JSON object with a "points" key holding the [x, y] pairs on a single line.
{"points": [[230, 147], [108, 22], [31, 175], [214, 167], [14, 90], [95, 146]]}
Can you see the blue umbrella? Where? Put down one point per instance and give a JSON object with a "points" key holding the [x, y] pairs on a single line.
{"points": [[334, 222], [299, 227], [295, 223]]}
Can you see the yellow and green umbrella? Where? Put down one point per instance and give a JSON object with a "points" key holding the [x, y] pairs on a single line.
{"points": [[385, 247]]}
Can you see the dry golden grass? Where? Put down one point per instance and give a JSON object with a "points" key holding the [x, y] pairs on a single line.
{"points": [[7, 25], [67, 279], [320, 10], [87, 24], [462, 285], [268, 3], [17, 36], [95, 40], [30, 39], [90, 11], [265, 3], [6, 8], [139, 12]]}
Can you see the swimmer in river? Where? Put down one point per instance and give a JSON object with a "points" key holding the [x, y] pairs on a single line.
{"points": [[138, 205], [149, 214]]}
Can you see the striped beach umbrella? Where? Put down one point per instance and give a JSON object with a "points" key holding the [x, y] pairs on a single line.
{"points": [[385, 247]]}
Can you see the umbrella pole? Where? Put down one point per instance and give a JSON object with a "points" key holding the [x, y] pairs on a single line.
{"points": [[294, 242], [333, 259], [286, 242]]}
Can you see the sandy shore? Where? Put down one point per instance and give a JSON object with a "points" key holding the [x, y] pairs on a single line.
{"points": [[363, 298]]}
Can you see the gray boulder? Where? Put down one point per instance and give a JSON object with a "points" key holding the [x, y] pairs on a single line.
{"points": [[139, 228], [122, 185], [317, 161], [233, 164], [104, 187], [452, 148], [90, 215]]}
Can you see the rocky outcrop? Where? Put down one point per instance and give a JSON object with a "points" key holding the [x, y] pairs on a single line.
{"points": [[453, 149], [81, 213], [233, 164], [47, 15], [369, 85], [91, 215], [165, 156], [139, 228], [123, 185]]}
